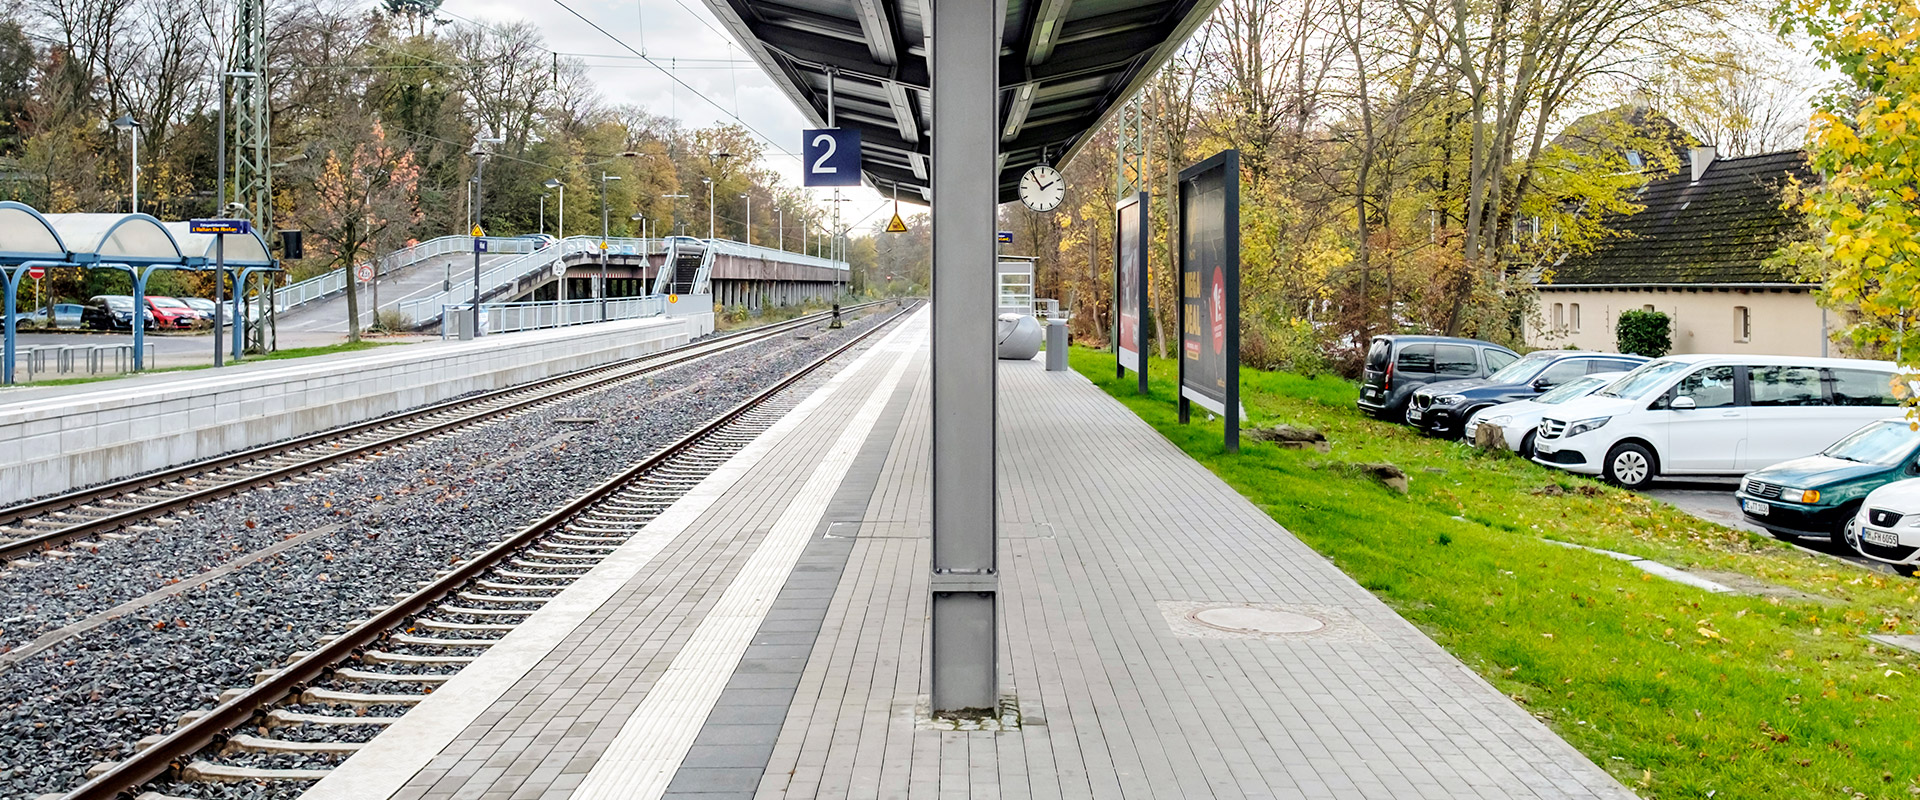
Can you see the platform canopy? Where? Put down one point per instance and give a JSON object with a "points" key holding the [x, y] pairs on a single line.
{"points": [[1065, 65], [134, 239], [247, 250], [27, 235]]}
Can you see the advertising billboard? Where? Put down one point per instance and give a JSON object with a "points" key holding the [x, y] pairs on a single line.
{"points": [[1208, 242], [1130, 287]]}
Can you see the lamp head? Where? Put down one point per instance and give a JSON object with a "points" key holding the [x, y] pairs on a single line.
{"points": [[126, 122], [552, 183]]}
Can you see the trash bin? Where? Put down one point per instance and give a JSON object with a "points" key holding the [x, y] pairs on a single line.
{"points": [[1056, 345]]}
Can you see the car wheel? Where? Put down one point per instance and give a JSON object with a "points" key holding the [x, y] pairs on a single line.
{"points": [[1903, 569], [1630, 465], [1526, 445], [1845, 536]]}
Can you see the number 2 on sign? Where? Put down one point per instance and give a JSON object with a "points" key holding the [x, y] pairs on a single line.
{"points": [[820, 164]]}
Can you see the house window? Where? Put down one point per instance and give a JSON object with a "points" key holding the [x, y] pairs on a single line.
{"points": [[1573, 317], [1559, 317], [1647, 307], [1742, 324]]}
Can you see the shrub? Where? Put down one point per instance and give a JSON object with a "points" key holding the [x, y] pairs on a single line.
{"points": [[392, 320], [1646, 333]]}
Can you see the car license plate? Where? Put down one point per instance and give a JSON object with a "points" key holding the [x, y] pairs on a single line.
{"points": [[1755, 507], [1882, 538], [1414, 414], [1544, 448]]}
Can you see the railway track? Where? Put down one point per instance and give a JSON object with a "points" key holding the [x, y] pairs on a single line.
{"points": [[326, 703], [39, 527]]}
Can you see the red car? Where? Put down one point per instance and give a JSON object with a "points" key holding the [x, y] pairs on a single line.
{"points": [[171, 313]]}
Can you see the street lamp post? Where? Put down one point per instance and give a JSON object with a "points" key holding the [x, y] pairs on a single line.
{"points": [[600, 290], [748, 201], [127, 123], [709, 183], [479, 154], [543, 215], [554, 183], [781, 213]]}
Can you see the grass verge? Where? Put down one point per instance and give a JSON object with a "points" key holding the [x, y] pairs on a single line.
{"points": [[277, 355], [1675, 691]]}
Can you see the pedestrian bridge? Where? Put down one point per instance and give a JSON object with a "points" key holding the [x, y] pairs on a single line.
{"points": [[422, 280]]}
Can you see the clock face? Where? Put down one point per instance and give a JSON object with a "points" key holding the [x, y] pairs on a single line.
{"points": [[1042, 188]]}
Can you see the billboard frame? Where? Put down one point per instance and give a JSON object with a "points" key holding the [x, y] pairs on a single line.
{"points": [[1137, 206], [1223, 167]]}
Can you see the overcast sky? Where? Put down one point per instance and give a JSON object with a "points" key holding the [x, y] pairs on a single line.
{"points": [[670, 31]]}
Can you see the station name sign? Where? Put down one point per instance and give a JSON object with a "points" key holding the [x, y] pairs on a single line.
{"points": [[220, 226]]}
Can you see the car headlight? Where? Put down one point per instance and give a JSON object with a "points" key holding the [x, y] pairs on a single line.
{"points": [[1502, 421], [1582, 426], [1791, 494], [1449, 399]]}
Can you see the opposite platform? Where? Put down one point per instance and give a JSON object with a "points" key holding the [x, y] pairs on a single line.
{"points": [[766, 638]]}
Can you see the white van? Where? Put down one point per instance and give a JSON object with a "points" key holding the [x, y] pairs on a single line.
{"points": [[1713, 415]]}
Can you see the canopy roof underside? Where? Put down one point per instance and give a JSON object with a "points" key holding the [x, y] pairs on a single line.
{"points": [[1065, 66]]}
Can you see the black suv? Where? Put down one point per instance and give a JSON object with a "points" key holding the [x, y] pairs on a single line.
{"points": [[1397, 365], [1442, 407], [112, 312]]}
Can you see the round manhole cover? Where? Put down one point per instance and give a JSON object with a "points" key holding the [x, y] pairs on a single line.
{"points": [[1241, 619]]}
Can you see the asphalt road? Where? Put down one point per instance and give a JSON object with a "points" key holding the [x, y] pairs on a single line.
{"points": [[1713, 501]]}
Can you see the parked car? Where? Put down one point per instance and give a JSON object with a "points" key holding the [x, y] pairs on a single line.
{"points": [[1519, 421], [1713, 415], [204, 308], [22, 319], [1818, 495], [1442, 407], [113, 312], [169, 312], [1397, 365], [1887, 527], [67, 315]]}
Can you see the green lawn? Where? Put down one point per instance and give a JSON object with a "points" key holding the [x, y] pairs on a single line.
{"points": [[1676, 691]]}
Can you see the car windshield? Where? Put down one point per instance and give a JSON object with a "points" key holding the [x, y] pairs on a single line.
{"points": [[1884, 443], [1523, 370], [1650, 377], [1377, 354], [120, 303], [167, 302], [1578, 387]]}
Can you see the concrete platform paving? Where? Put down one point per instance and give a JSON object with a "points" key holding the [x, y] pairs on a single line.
{"points": [[766, 638]]}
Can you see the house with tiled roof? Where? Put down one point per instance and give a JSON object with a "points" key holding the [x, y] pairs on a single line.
{"points": [[1696, 251]]}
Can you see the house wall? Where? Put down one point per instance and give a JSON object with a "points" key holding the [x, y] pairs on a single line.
{"points": [[1780, 322]]}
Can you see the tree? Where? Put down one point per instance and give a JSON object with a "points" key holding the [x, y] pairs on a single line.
{"points": [[359, 197], [1864, 133]]}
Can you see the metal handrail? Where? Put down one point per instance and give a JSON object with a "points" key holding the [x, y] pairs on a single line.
{"points": [[327, 283], [535, 315], [513, 270]]}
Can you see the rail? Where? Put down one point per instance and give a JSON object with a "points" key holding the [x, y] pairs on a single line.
{"points": [[124, 778]]}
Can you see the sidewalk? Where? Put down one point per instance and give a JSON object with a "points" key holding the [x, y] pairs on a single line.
{"points": [[1112, 540]]}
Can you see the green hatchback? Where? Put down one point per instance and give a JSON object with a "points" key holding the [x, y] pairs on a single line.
{"points": [[1816, 496]]}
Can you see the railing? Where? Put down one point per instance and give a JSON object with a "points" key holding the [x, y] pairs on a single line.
{"points": [[328, 283], [742, 250], [510, 317], [427, 308]]}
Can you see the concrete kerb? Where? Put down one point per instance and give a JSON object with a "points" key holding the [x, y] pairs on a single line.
{"points": [[161, 424]]}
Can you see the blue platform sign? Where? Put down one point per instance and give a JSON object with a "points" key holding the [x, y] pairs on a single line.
{"points": [[830, 157], [1003, 237], [220, 226], [479, 245]]}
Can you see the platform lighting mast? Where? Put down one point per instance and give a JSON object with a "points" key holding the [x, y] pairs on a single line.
{"points": [[252, 130]]}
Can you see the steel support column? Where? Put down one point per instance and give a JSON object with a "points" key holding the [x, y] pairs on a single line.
{"points": [[966, 138]]}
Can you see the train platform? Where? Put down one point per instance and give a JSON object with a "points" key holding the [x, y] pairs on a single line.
{"points": [[1161, 637]]}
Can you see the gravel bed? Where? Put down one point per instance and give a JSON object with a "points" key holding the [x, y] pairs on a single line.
{"points": [[383, 525], [326, 733]]}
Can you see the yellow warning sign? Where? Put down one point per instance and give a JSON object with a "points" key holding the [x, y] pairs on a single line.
{"points": [[673, 298], [897, 225], [478, 232], [603, 244]]}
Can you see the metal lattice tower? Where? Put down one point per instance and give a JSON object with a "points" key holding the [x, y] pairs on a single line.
{"points": [[252, 172], [1130, 152]]}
